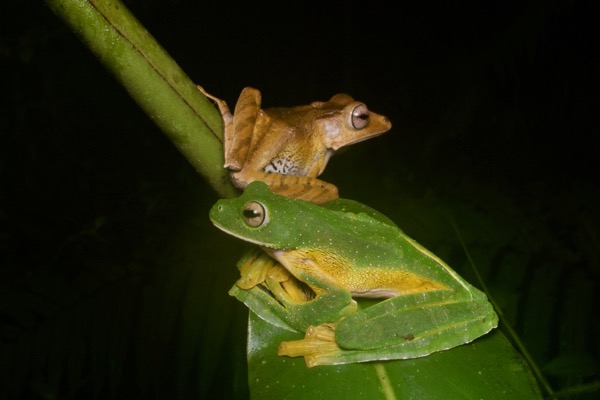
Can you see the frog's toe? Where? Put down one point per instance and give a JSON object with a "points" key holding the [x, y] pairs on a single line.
{"points": [[318, 344]]}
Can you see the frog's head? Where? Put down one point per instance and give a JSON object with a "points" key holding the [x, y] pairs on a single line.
{"points": [[342, 121], [261, 217]]}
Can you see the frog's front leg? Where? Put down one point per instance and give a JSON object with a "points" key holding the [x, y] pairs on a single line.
{"points": [[402, 327], [276, 296], [258, 268]]}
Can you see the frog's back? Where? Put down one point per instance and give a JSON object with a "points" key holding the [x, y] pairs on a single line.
{"points": [[381, 254]]}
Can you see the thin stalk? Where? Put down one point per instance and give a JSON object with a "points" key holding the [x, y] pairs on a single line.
{"points": [[154, 81]]}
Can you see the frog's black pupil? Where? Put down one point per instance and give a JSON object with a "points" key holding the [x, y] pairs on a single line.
{"points": [[250, 213]]}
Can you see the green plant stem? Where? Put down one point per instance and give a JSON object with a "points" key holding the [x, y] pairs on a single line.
{"points": [[153, 80]]}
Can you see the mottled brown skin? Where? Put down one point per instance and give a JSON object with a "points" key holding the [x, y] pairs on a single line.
{"points": [[288, 148]]}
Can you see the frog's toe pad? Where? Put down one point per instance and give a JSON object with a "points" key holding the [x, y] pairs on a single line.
{"points": [[318, 343]]}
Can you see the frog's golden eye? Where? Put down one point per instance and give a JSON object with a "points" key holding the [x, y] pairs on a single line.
{"points": [[360, 116], [255, 214]]}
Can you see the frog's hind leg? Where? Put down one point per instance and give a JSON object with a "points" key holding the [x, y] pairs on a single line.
{"points": [[236, 145], [417, 330], [410, 328], [223, 109], [294, 186], [238, 137]]}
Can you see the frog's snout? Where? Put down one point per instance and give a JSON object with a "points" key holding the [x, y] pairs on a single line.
{"points": [[216, 210]]}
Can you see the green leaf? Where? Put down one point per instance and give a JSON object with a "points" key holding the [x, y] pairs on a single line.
{"points": [[487, 368]]}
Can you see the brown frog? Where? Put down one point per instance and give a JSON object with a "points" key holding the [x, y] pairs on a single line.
{"points": [[288, 148]]}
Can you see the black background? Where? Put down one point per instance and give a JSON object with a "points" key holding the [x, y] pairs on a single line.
{"points": [[494, 108]]}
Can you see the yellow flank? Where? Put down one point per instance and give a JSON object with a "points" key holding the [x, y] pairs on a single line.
{"points": [[364, 281]]}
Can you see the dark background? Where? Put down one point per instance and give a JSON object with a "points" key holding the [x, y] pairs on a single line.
{"points": [[113, 282]]}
